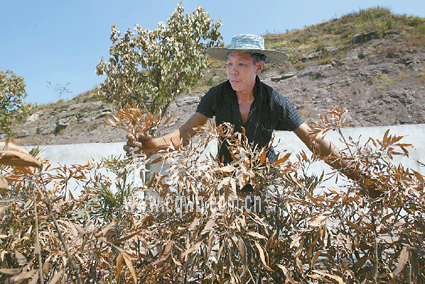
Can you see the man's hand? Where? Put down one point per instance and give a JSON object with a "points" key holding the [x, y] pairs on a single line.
{"points": [[143, 142]]}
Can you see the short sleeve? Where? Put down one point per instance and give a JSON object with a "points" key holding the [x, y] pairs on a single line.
{"points": [[206, 104], [209, 102], [288, 118]]}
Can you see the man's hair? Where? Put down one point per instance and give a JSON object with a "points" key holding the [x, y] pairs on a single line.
{"points": [[258, 57]]}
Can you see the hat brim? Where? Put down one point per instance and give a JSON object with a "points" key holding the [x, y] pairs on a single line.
{"points": [[272, 56]]}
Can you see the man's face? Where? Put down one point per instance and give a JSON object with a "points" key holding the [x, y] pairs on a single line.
{"points": [[241, 71]]}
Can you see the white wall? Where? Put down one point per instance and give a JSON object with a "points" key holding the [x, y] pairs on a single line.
{"points": [[414, 134]]}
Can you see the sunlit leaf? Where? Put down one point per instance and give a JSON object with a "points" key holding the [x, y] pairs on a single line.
{"points": [[262, 257], [15, 158], [402, 260], [56, 277], [333, 277], [3, 183]]}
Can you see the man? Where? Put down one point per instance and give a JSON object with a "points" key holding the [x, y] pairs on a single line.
{"points": [[244, 101]]}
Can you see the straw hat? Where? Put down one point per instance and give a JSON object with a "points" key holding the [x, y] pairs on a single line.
{"points": [[250, 44]]}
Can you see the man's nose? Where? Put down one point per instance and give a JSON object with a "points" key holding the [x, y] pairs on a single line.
{"points": [[232, 70]]}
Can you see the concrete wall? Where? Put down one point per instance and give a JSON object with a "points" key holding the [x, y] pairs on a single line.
{"points": [[413, 134]]}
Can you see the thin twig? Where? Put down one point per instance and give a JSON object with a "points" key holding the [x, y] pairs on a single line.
{"points": [[65, 247], [37, 238]]}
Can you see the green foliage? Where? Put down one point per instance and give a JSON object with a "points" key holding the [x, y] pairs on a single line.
{"points": [[151, 68], [12, 105], [384, 81]]}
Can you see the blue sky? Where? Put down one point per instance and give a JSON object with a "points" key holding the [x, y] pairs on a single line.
{"points": [[62, 41]]}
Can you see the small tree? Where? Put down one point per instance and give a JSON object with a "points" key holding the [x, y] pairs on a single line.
{"points": [[12, 105], [151, 68]]}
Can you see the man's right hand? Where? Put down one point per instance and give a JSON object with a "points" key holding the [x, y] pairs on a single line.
{"points": [[142, 142]]}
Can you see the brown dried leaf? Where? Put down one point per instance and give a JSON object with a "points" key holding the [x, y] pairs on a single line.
{"points": [[263, 157], [166, 253], [262, 257], [130, 266], [20, 258], [23, 276], [73, 229], [242, 251], [120, 264], [283, 160], [334, 277], [256, 235], [194, 224], [314, 260], [15, 158], [402, 259], [3, 183], [125, 238], [360, 263], [46, 267], [157, 160], [285, 271], [318, 221], [105, 230], [227, 169], [354, 226], [57, 277], [418, 176], [13, 146], [12, 271], [208, 227], [192, 249]]}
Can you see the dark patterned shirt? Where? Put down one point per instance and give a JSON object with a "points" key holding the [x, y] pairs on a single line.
{"points": [[269, 111]]}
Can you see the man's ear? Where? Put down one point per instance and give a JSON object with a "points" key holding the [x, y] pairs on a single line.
{"points": [[260, 66]]}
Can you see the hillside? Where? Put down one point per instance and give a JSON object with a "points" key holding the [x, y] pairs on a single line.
{"points": [[371, 62]]}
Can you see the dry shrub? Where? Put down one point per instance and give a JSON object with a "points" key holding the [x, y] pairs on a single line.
{"points": [[191, 223]]}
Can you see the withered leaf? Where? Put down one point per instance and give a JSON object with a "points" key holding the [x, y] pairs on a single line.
{"points": [[20, 258], [208, 227], [120, 264], [57, 277], [242, 251], [334, 277], [256, 235], [15, 158], [2, 209], [13, 146], [227, 169], [125, 238], [354, 226], [166, 253], [130, 266], [318, 221], [282, 160], [192, 249], [23, 276], [402, 259], [3, 183], [314, 260], [194, 223], [262, 257], [12, 271], [105, 230]]}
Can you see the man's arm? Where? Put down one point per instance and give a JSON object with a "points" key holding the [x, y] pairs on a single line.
{"points": [[149, 145], [324, 148]]}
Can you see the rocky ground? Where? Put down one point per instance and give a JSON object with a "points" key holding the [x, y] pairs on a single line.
{"points": [[378, 84]]}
